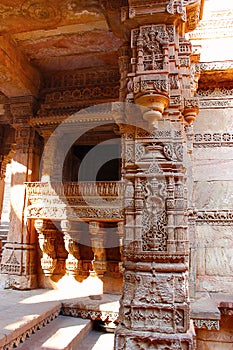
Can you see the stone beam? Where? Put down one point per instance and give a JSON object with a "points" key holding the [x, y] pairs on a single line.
{"points": [[123, 15], [17, 76]]}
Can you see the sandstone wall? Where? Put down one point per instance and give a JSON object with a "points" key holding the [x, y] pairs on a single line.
{"points": [[213, 198]]}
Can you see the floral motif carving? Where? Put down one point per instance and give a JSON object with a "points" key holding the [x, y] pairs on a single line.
{"points": [[213, 139]]}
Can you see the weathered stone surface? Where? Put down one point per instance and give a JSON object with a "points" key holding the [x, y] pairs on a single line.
{"points": [[18, 76], [206, 194], [215, 284], [214, 120], [213, 169], [214, 254]]}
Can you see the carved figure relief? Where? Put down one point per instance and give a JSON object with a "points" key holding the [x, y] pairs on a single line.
{"points": [[149, 41], [154, 217]]}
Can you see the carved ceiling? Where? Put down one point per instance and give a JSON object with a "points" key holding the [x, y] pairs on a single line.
{"points": [[42, 36]]}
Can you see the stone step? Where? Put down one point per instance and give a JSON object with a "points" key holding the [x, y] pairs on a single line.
{"points": [[63, 333], [22, 320], [97, 341]]}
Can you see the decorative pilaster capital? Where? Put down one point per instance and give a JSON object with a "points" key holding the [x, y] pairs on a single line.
{"points": [[65, 226], [39, 225], [94, 227], [22, 109]]}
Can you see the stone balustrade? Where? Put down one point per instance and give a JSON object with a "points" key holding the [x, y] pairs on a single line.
{"points": [[84, 200]]}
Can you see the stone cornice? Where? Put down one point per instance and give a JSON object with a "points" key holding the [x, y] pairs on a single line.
{"points": [[66, 93], [216, 97]]}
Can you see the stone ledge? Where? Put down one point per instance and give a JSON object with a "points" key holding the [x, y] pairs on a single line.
{"points": [[23, 320], [206, 312], [63, 333], [204, 309], [103, 307]]}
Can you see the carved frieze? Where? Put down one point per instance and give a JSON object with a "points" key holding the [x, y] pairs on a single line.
{"points": [[215, 97], [75, 200], [213, 139], [214, 217], [207, 324], [56, 212], [105, 316], [68, 92]]}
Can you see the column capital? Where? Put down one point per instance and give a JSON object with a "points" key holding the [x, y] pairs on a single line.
{"points": [[125, 15], [22, 109]]}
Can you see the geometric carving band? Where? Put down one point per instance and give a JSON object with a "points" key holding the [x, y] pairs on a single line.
{"points": [[207, 324], [215, 139], [215, 217]]}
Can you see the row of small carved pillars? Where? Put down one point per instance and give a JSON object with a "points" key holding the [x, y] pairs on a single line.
{"points": [[47, 246]]}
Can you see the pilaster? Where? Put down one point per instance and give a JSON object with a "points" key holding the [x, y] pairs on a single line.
{"points": [[161, 81], [18, 265]]}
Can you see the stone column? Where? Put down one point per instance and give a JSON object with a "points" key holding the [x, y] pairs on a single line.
{"points": [[18, 266], [154, 311], [99, 262], [72, 247], [46, 240]]}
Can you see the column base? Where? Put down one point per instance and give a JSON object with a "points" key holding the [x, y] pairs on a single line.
{"points": [[126, 339], [18, 282]]}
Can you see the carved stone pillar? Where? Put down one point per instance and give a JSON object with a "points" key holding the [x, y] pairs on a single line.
{"points": [[18, 265], [154, 311], [72, 247], [46, 240], [99, 262]]}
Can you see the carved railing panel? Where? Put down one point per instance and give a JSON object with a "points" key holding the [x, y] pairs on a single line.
{"points": [[85, 200]]}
